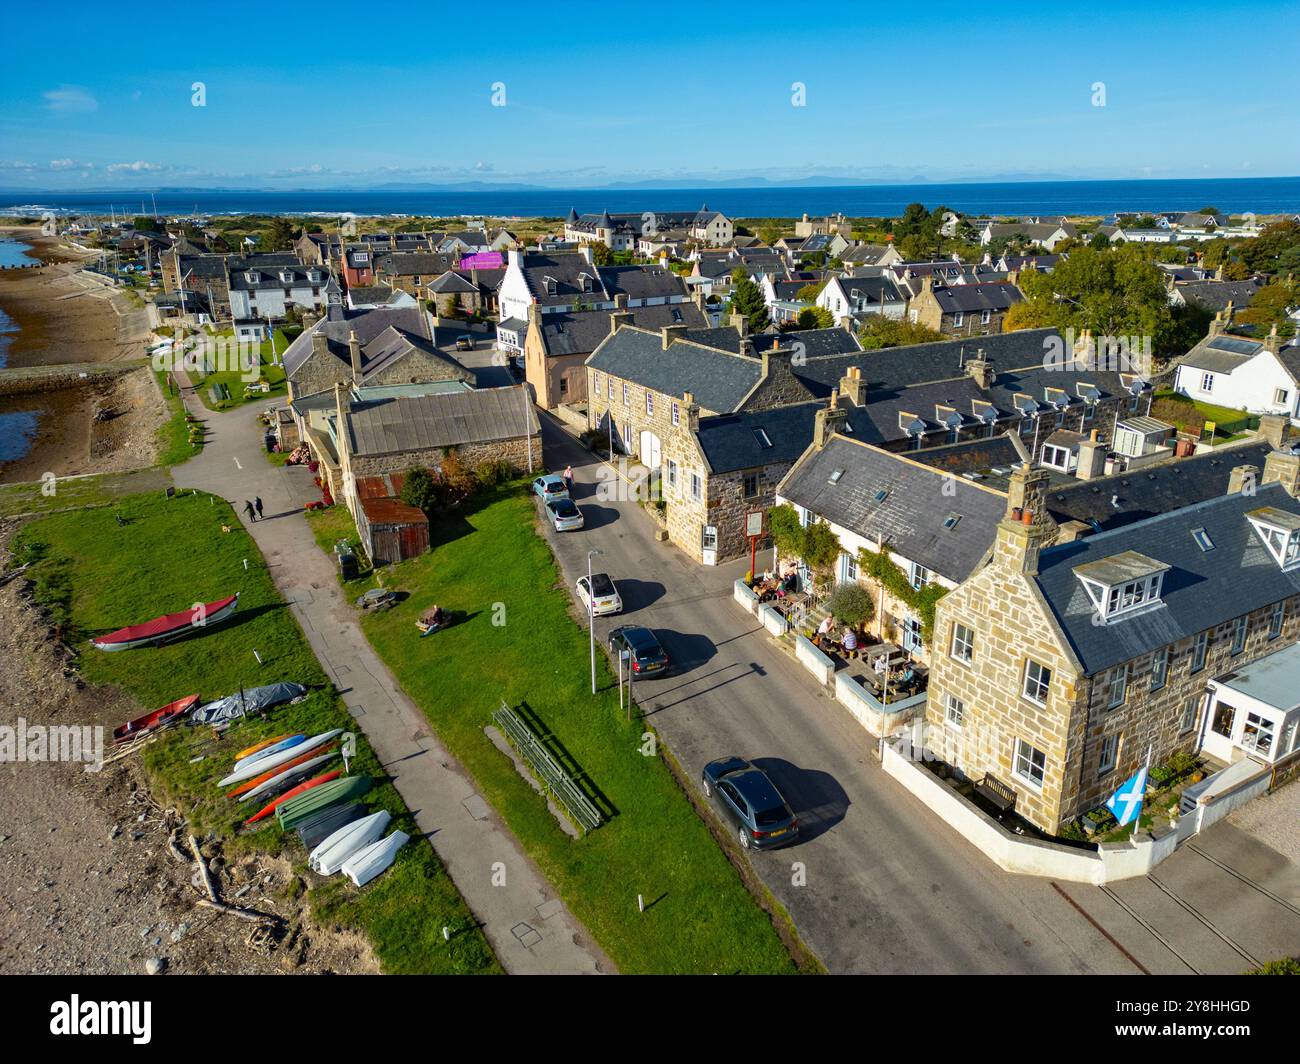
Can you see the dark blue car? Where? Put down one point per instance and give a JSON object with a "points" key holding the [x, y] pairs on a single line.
{"points": [[761, 817]]}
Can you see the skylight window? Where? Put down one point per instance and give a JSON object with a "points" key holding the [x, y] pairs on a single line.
{"points": [[763, 440], [835, 476], [881, 495], [1203, 539], [951, 521]]}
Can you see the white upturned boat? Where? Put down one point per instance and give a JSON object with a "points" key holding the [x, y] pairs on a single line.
{"points": [[330, 855], [265, 764], [305, 769], [270, 751], [365, 864]]}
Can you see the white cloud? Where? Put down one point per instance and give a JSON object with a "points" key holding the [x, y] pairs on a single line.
{"points": [[70, 164], [138, 167], [70, 99]]}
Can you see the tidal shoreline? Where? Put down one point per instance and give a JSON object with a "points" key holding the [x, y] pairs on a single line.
{"points": [[56, 316]]}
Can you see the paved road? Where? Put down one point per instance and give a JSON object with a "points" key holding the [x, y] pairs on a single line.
{"points": [[530, 929], [889, 887]]}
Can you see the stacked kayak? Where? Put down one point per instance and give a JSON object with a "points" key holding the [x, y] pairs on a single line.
{"points": [[329, 856], [365, 864], [320, 826], [279, 779], [296, 810], [264, 760], [288, 796]]}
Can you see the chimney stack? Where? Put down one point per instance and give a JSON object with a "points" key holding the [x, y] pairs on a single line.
{"points": [[980, 369], [671, 333], [1276, 429], [618, 319], [740, 323], [828, 421], [853, 387], [692, 412], [1283, 468], [1092, 458], [1243, 479], [1026, 528], [354, 349]]}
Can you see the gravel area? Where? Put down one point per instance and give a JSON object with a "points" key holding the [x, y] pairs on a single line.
{"points": [[1275, 820], [90, 881]]}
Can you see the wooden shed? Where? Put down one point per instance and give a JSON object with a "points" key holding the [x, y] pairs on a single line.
{"points": [[390, 530]]}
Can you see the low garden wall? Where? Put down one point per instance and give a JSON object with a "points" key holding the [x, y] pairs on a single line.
{"points": [[743, 594], [879, 719], [773, 620], [813, 659]]}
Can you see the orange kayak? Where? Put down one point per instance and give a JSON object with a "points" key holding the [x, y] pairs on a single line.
{"points": [[256, 781], [302, 788], [259, 746]]}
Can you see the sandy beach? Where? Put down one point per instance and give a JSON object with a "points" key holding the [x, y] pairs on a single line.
{"points": [[59, 316]]}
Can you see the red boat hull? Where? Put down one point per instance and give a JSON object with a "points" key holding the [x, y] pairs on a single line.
{"points": [[293, 792], [160, 629], [159, 718]]}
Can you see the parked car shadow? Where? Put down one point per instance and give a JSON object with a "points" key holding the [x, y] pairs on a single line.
{"points": [[816, 797], [594, 516], [686, 650], [638, 593]]}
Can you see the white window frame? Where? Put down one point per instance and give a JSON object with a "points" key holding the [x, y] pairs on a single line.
{"points": [[960, 649], [611, 388], [954, 711], [918, 575], [1191, 710], [1276, 619], [1207, 383], [1280, 396], [672, 473], [1036, 774], [1109, 754], [697, 487], [1264, 728], [649, 403], [1240, 629], [677, 414], [986, 316], [1159, 668], [1117, 688], [1045, 685], [1200, 651], [627, 400], [958, 320]]}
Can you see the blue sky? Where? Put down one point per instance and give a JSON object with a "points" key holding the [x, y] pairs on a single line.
{"points": [[348, 95]]}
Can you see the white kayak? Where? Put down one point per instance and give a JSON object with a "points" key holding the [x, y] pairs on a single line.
{"points": [[305, 769], [330, 855], [365, 864], [265, 764]]}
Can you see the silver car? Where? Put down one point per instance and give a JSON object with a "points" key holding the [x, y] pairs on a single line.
{"points": [[564, 514], [606, 598]]}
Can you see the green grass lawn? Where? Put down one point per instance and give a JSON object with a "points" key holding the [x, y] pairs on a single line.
{"points": [[176, 440], [73, 493], [489, 563], [234, 379], [94, 575]]}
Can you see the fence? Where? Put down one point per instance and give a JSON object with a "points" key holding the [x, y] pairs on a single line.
{"points": [[557, 781]]}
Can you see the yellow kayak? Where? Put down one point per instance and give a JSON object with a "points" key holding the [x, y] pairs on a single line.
{"points": [[259, 746]]}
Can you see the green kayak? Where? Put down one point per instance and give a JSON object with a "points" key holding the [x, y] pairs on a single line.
{"points": [[306, 805]]}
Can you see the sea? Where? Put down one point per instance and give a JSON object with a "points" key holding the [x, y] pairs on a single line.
{"points": [[1268, 195]]}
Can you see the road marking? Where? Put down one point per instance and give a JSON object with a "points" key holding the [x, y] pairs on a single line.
{"points": [[237, 465], [1105, 934]]}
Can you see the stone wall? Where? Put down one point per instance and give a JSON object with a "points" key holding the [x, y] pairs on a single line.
{"points": [[472, 455]]}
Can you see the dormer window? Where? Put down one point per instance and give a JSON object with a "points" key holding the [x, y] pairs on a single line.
{"points": [[1123, 584], [286, 276], [252, 277], [1280, 531]]}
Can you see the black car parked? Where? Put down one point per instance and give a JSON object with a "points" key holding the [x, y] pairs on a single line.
{"points": [[752, 803], [642, 647]]}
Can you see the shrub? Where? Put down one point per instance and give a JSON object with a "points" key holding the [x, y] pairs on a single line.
{"points": [[787, 532], [1285, 966], [851, 604]]}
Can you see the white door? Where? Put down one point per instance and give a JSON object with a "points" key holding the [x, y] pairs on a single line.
{"points": [[709, 545], [912, 635], [651, 452]]}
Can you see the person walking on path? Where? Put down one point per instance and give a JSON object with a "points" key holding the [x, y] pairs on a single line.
{"points": [[248, 509], [568, 479], [258, 504]]}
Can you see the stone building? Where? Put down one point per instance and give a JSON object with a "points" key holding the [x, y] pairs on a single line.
{"points": [[963, 309], [1056, 668]]}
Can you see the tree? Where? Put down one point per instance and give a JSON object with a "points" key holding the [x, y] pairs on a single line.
{"points": [[769, 234], [747, 299], [821, 549], [419, 489], [809, 292], [879, 331], [786, 529], [917, 232], [283, 234], [601, 254], [1269, 308], [145, 224], [815, 318], [851, 604]]}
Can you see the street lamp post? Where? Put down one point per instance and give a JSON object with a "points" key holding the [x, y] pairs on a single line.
{"points": [[591, 616]]}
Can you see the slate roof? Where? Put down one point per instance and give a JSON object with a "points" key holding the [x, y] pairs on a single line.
{"points": [[731, 442], [911, 516], [719, 380], [973, 456], [416, 263], [1221, 354], [1201, 589], [580, 332], [869, 253], [1216, 295], [970, 298], [368, 324], [426, 422], [1115, 501], [566, 270], [642, 282]]}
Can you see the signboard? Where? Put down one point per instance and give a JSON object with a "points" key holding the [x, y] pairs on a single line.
{"points": [[483, 260], [754, 523]]}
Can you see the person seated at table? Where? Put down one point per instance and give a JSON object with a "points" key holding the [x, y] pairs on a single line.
{"points": [[881, 664], [906, 676], [850, 642], [791, 583]]}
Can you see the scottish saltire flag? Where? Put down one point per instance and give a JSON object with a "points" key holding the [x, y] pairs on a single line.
{"points": [[1126, 803]]}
